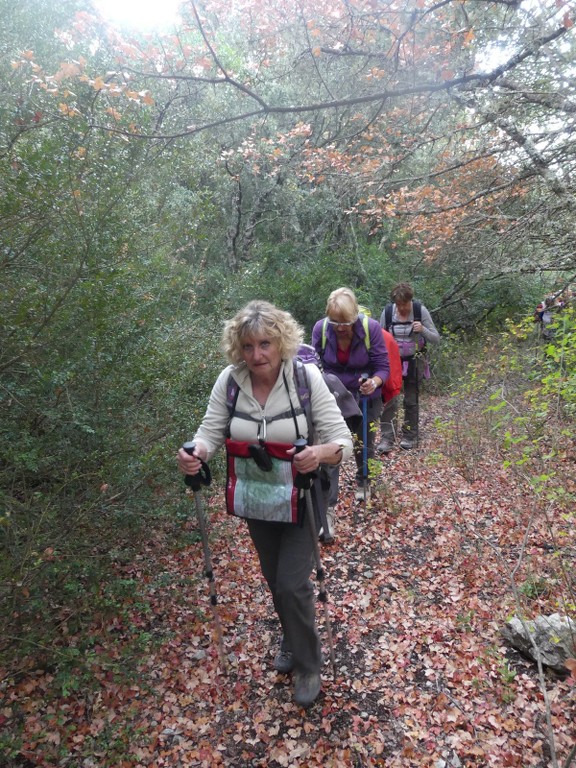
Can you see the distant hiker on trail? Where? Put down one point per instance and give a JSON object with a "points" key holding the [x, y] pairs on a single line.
{"points": [[351, 346], [412, 326], [255, 409], [544, 314]]}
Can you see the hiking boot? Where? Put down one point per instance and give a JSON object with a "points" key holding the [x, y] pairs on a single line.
{"points": [[328, 536], [331, 520], [284, 662], [385, 446], [407, 443], [306, 688], [360, 493]]}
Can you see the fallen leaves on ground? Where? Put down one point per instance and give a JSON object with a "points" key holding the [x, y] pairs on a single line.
{"points": [[419, 586]]}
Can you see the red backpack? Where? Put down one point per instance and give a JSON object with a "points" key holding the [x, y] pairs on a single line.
{"points": [[393, 385]]}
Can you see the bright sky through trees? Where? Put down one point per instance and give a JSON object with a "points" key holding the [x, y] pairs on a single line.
{"points": [[140, 14]]}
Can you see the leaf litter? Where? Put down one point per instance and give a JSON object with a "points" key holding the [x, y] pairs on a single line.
{"points": [[418, 586]]}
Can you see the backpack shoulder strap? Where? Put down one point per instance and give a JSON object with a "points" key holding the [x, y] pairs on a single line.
{"points": [[232, 392], [304, 396], [417, 310], [366, 330], [387, 316], [324, 326]]}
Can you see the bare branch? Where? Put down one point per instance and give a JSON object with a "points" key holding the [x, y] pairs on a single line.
{"points": [[465, 82]]}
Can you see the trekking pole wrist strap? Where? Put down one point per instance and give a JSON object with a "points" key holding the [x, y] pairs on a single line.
{"points": [[203, 477]]}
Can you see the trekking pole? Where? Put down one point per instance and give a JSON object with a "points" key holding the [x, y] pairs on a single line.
{"points": [[417, 404], [417, 392], [304, 482], [193, 486], [364, 378], [326, 535]]}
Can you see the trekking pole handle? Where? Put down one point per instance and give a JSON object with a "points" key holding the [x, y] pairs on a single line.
{"points": [[364, 377], [300, 444], [203, 477], [302, 481]]}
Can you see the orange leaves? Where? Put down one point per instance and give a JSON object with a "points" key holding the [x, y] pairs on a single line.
{"points": [[115, 89], [68, 110], [114, 113], [301, 129], [69, 70], [60, 86], [98, 84], [26, 58], [143, 97], [375, 73]]}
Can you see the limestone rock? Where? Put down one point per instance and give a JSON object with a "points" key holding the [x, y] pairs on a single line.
{"points": [[554, 636]]}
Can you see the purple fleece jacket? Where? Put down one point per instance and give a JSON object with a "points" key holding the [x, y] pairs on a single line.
{"points": [[373, 361]]}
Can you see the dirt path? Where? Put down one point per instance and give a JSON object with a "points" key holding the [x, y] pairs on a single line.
{"points": [[418, 590]]}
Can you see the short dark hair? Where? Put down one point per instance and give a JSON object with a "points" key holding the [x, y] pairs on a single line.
{"points": [[402, 292]]}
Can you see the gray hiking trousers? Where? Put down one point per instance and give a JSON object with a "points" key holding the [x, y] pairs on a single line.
{"points": [[286, 555], [389, 416]]}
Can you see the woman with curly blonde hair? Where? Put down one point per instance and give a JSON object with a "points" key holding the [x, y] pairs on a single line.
{"points": [[260, 427]]}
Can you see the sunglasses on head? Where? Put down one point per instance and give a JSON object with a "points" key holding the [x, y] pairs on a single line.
{"points": [[337, 322]]}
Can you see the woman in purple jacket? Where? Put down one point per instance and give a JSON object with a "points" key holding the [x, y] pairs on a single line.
{"points": [[350, 345]]}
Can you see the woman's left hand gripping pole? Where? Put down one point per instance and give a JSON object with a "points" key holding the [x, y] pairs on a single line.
{"points": [[194, 484]]}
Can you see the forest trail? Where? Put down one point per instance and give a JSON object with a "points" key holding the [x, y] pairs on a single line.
{"points": [[418, 590]]}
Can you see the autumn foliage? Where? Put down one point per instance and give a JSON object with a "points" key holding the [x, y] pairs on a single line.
{"points": [[150, 185]]}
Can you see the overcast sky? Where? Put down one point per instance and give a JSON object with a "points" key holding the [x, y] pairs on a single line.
{"points": [[141, 14]]}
